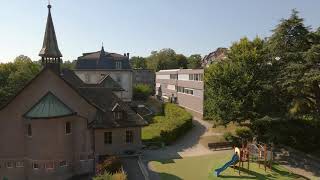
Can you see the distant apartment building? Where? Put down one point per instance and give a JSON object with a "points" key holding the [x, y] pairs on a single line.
{"points": [[216, 56], [144, 76], [182, 86]]}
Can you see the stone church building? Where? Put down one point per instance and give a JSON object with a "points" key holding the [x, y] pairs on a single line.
{"points": [[58, 126]]}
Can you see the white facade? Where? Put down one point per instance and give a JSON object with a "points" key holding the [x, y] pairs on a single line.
{"points": [[182, 86]]}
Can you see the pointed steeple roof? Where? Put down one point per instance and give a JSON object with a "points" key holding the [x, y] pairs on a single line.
{"points": [[50, 45]]}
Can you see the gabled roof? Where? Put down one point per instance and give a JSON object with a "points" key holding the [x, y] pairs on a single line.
{"points": [[116, 107], [49, 106], [108, 82], [102, 60]]}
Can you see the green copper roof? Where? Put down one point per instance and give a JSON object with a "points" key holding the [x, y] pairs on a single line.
{"points": [[49, 106]]}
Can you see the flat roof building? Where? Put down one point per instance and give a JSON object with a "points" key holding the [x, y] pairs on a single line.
{"points": [[182, 86]]}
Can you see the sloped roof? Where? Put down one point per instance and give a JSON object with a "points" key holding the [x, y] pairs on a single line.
{"points": [[101, 98], [105, 100], [101, 60], [49, 106], [108, 82]]}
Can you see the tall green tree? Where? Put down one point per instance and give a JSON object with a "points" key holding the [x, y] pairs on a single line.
{"points": [[182, 61], [232, 86], [138, 62], [14, 76], [164, 59], [289, 36], [194, 61], [296, 71]]}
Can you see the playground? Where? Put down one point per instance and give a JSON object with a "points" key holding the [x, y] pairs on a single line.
{"points": [[203, 167]]}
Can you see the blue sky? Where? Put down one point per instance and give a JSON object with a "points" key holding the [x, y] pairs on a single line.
{"points": [[141, 26]]}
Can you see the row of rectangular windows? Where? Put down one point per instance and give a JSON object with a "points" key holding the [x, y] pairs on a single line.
{"points": [[35, 164], [108, 137], [184, 90], [196, 77], [192, 77]]}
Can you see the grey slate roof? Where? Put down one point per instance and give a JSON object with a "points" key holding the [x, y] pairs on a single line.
{"points": [[105, 100], [101, 60], [106, 82]]}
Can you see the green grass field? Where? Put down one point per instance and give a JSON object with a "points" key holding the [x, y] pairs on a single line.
{"points": [[201, 168]]}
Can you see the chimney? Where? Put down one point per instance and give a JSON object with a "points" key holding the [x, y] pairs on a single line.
{"points": [[128, 55]]}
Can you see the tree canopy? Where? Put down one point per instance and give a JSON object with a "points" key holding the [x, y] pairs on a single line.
{"points": [[276, 77], [14, 76]]}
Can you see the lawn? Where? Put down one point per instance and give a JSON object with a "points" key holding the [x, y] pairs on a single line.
{"points": [[231, 127], [201, 168], [218, 136]]}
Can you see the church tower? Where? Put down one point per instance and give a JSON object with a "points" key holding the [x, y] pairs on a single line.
{"points": [[50, 53]]}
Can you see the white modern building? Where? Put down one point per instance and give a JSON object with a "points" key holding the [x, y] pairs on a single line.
{"points": [[182, 86]]}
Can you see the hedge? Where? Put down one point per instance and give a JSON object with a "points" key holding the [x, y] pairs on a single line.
{"points": [[175, 122]]}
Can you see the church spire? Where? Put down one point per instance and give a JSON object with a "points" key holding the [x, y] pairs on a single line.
{"points": [[50, 52]]}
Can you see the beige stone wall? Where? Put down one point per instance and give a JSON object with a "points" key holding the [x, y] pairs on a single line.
{"points": [[48, 141], [123, 77], [119, 144]]}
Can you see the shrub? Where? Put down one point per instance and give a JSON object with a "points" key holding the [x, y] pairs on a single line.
{"points": [[244, 133], [228, 136], [119, 175], [169, 127], [112, 164], [141, 91]]}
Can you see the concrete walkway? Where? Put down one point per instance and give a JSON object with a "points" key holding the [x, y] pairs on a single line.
{"points": [[187, 145], [131, 166]]}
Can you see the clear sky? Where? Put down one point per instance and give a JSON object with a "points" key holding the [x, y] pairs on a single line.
{"points": [[141, 26]]}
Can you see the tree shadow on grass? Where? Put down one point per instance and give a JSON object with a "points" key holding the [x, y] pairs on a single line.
{"points": [[256, 175]]}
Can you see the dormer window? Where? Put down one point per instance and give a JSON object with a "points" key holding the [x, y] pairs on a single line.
{"points": [[117, 115], [118, 65]]}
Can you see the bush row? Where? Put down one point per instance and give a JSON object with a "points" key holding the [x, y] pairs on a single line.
{"points": [[296, 133], [175, 122]]}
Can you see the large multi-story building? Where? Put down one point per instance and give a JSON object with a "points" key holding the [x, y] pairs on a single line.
{"points": [[94, 67], [57, 126], [182, 86]]}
